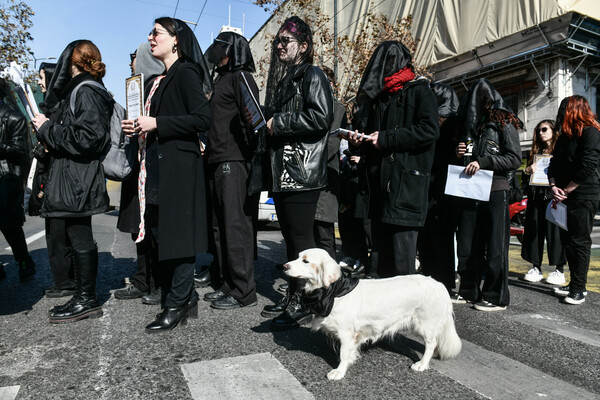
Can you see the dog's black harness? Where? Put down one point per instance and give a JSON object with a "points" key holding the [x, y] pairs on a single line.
{"points": [[320, 301]]}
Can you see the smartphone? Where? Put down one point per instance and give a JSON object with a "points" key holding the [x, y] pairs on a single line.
{"points": [[345, 133]]}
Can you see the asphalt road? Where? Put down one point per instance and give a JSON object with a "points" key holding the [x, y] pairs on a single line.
{"points": [[537, 348]]}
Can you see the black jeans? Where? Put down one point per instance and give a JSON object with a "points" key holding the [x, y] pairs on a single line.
{"points": [[63, 235], [356, 237], [324, 234], [233, 232], [577, 240], [483, 237], [394, 249], [16, 240]]}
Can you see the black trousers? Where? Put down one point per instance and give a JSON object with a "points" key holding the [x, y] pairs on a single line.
{"points": [[482, 247], [436, 243], [537, 228], [577, 240], [63, 235], [16, 240], [233, 231], [296, 221], [324, 234], [356, 237], [176, 276], [147, 276], [394, 250]]}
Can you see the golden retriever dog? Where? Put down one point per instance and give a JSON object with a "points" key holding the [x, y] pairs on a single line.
{"points": [[378, 308]]}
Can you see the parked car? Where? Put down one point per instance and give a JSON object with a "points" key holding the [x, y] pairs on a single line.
{"points": [[266, 208]]}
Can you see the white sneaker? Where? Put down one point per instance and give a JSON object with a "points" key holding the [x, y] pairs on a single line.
{"points": [[556, 278], [533, 275]]}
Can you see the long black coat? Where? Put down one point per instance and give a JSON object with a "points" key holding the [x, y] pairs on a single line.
{"points": [[181, 110], [76, 185], [14, 163]]}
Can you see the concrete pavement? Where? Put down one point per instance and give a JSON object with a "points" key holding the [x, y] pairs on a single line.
{"points": [[537, 348]]}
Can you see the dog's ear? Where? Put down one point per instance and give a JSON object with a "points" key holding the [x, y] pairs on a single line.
{"points": [[330, 270]]}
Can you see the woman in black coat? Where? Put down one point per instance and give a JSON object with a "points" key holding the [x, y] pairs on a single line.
{"points": [[171, 180], [573, 176], [76, 187]]}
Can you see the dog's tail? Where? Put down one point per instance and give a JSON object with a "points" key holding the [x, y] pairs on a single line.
{"points": [[449, 344]]}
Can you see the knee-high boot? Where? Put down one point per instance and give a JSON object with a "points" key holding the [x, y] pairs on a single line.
{"points": [[84, 304]]}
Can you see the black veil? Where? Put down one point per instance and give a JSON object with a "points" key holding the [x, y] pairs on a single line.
{"points": [[447, 100], [387, 59], [60, 79], [236, 47], [191, 52]]}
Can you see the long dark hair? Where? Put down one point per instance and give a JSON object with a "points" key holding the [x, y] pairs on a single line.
{"points": [[537, 145]]}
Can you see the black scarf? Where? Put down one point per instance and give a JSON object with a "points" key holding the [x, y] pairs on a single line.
{"points": [[187, 42], [320, 301]]}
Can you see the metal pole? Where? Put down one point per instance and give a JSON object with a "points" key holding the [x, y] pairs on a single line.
{"points": [[335, 40]]}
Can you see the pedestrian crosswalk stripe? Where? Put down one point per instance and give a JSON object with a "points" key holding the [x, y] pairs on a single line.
{"points": [[9, 392], [257, 376], [559, 326]]}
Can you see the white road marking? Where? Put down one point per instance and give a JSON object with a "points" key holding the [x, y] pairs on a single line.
{"points": [[9, 392], [262, 246], [257, 376], [32, 239], [559, 326]]}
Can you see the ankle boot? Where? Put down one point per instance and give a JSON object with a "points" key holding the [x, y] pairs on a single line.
{"points": [[293, 316], [168, 319], [84, 304], [274, 310], [26, 268]]}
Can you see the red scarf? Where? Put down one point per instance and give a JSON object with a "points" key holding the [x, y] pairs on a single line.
{"points": [[395, 82]]}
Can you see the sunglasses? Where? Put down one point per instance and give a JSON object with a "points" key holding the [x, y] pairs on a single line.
{"points": [[284, 40], [544, 129], [155, 33]]}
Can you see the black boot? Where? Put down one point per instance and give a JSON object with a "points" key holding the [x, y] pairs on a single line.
{"points": [[84, 304], [276, 309], [168, 319], [26, 268], [293, 316]]}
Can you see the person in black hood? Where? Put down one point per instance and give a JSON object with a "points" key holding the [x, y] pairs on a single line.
{"points": [[299, 112], [399, 113], [171, 178], [76, 186], [145, 283], [436, 240], [231, 145], [484, 226], [15, 146]]}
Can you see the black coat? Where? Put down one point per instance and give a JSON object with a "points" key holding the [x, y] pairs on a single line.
{"points": [[14, 164], [76, 185], [182, 112], [397, 180]]}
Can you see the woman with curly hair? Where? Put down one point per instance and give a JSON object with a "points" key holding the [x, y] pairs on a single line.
{"points": [[483, 227], [573, 176]]}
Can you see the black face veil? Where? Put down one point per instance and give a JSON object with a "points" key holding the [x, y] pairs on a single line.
{"points": [[387, 59], [191, 52], [236, 47]]}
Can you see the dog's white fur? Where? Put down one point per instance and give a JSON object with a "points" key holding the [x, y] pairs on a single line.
{"points": [[379, 308]]}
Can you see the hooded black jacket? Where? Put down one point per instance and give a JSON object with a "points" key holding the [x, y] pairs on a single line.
{"points": [[76, 185]]}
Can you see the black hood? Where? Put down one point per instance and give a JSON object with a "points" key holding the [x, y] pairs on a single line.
{"points": [[60, 79], [475, 105], [387, 59], [560, 116], [191, 52], [236, 47], [447, 100]]}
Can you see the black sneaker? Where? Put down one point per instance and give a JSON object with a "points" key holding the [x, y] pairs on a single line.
{"points": [[26, 269], [485, 305], [130, 292], [565, 290], [457, 298], [574, 298]]}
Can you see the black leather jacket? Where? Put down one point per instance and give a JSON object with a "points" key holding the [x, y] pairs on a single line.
{"points": [[15, 143], [298, 147]]}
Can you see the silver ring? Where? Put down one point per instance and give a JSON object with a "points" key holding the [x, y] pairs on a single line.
{"points": [[135, 124]]}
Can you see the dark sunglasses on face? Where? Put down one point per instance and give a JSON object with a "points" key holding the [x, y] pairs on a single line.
{"points": [[544, 129], [155, 33], [284, 40]]}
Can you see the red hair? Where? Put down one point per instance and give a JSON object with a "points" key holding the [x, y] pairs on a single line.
{"points": [[87, 57], [578, 115]]}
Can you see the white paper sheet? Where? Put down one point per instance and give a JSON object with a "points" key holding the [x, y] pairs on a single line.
{"points": [[557, 215], [476, 187]]}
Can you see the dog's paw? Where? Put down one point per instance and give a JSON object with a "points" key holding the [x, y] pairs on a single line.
{"points": [[335, 374], [419, 366]]}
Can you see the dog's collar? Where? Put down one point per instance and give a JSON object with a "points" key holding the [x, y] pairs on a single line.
{"points": [[320, 301]]}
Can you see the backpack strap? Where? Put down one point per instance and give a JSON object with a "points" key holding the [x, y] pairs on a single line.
{"points": [[74, 92]]}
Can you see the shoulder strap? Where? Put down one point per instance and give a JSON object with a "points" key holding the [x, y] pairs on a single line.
{"points": [[74, 92]]}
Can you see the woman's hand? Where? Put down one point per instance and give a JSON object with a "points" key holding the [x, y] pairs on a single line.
{"points": [[270, 127], [531, 169], [558, 194], [144, 124], [374, 138], [38, 120], [128, 126], [461, 149], [472, 168]]}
